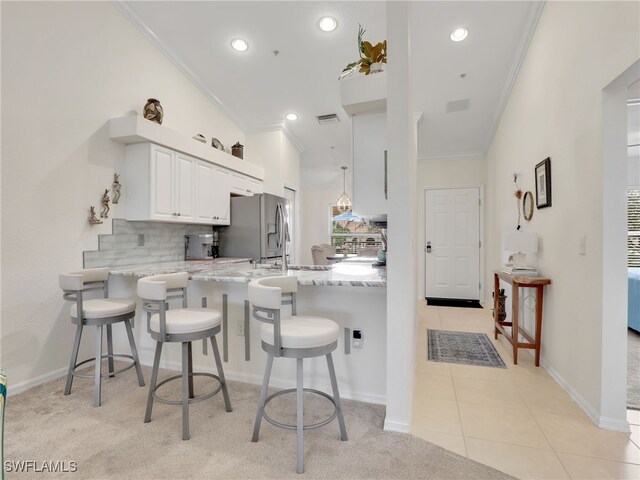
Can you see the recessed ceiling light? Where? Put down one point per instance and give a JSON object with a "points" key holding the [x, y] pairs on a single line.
{"points": [[459, 34], [328, 24], [239, 44], [291, 116]]}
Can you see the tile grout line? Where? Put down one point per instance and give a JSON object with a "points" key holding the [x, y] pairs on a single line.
{"points": [[546, 437]]}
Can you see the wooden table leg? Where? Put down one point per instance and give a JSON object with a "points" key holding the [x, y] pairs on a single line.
{"points": [[515, 308], [539, 297], [496, 297]]}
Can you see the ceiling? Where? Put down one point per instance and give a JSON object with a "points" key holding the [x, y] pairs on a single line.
{"points": [[257, 88]]}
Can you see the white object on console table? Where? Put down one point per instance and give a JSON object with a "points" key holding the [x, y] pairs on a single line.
{"points": [[135, 129]]}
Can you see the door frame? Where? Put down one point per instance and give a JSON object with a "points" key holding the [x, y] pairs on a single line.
{"points": [[481, 234]]}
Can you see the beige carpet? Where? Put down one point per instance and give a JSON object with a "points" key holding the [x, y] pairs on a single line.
{"points": [[113, 442]]}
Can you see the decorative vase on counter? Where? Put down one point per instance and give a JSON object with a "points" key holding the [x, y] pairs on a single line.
{"points": [[153, 111]]}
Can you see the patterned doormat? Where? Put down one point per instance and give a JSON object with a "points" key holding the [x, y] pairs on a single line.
{"points": [[462, 348]]}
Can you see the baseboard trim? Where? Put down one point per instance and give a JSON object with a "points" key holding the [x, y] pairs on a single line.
{"points": [[395, 426], [282, 383], [34, 382], [607, 423], [230, 375]]}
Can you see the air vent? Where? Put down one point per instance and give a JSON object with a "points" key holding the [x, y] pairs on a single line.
{"points": [[457, 105], [326, 119]]}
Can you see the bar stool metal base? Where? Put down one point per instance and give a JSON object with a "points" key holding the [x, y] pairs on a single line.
{"points": [[100, 323], [299, 354], [288, 426], [107, 374], [191, 400]]}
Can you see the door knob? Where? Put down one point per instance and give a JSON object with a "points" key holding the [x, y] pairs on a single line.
{"points": [[428, 248]]}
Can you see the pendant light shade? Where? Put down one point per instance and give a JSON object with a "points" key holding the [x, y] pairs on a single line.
{"points": [[344, 202]]}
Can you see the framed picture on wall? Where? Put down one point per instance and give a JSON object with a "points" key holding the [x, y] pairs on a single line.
{"points": [[543, 183]]}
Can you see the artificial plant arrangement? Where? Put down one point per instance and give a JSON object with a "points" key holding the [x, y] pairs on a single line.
{"points": [[371, 57]]}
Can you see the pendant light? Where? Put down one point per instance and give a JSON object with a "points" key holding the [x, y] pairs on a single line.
{"points": [[344, 202]]}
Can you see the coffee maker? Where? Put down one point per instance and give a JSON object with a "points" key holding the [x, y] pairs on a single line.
{"points": [[203, 246]]}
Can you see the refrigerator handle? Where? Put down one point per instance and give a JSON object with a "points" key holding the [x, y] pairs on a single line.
{"points": [[278, 224]]}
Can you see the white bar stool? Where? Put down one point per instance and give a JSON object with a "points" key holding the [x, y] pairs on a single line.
{"points": [[99, 312], [183, 325], [298, 337]]}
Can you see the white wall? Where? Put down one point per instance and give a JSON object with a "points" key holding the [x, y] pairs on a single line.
{"points": [[321, 187], [281, 161], [66, 69], [555, 109], [463, 171]]}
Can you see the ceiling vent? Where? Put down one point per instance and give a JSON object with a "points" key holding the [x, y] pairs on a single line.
{"points": [[327, 119], [457, 105]]}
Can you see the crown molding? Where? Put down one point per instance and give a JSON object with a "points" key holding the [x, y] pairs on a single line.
{"points": [[279, 127], [535, 12], [452, 156], [130, 15]]}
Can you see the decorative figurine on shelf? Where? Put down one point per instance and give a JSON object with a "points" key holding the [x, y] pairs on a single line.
{"points": [[104, 213], [237, 150], [93, 220], [115, 188], [153, 111]]}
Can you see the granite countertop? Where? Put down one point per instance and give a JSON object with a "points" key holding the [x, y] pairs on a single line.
{"points": [[241, 271]]}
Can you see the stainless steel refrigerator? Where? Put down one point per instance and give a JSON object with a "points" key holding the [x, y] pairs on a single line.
{"points": [[258, 228]]}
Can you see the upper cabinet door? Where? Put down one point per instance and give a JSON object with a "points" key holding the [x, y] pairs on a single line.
{"points": [[185, 168], [222, 196], [205, 192], [370, 164], [161, 187]]}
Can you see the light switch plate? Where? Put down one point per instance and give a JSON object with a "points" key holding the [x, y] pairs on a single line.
{"points": [[582, 246]]}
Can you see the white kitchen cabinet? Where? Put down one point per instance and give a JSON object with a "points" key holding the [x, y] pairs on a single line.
{"points": [[244, 185], [212, 194], [160, 184], [370, 165]]}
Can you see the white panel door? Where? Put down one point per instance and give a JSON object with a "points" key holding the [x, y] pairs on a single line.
{"points": [[184, 191], [452, 250], [162, 193]]}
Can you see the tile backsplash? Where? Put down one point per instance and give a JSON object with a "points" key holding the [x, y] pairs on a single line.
{"points": [[140, 242]]}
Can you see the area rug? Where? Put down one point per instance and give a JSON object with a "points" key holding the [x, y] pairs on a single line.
{"points": [[452, 302], [633, 370], [462, 348]]}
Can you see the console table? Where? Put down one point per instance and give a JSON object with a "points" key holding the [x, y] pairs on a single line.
{"points": [[518, 282]]}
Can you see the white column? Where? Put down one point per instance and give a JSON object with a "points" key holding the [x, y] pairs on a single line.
{"points": [[613, 375], [402, 188]]}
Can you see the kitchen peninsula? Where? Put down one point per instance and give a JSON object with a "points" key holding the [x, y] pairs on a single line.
{"points": [[354, 295]]}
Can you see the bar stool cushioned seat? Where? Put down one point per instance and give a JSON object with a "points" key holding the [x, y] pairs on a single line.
{"points": [[298, 337], [104, 307], [98, 312], [302, 332], [182, 325], [187, 320]]}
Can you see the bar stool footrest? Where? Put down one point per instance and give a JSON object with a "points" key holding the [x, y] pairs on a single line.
{"points": [[106, 374], [288, 426], [198, 398]]}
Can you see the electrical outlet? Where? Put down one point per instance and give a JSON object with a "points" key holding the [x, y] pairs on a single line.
{"points": [[240, 327], [357, 338]]}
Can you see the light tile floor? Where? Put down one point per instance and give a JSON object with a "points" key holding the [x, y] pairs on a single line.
{"points": [[517, 420]]}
